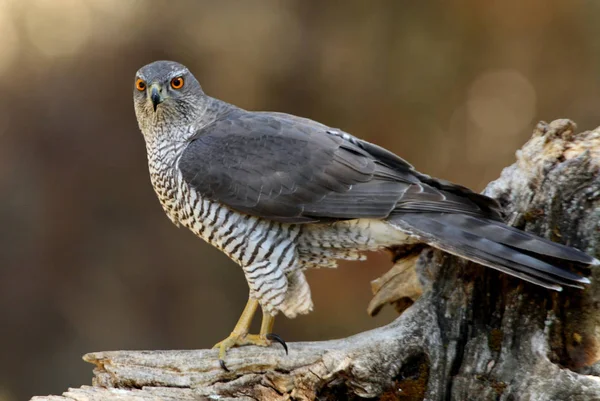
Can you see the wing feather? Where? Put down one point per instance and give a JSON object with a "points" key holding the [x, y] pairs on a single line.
{"points": [[292, 169]]}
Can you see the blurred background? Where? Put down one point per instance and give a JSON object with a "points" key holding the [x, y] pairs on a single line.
{"points": [[89, 261]]}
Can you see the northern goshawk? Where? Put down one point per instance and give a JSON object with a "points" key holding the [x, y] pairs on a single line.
{"points": [[280, 194]]}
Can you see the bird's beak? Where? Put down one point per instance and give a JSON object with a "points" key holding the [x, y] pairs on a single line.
{"points": [[155, 96]]}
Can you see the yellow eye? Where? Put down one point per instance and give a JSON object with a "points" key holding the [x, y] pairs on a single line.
{"points": [[177, 83], [140, 84]]}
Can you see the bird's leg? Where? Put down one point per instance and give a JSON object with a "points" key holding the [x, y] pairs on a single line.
{"points": [[240, 336], [266, 335], [266, 330], [240, 331], [266, 326]]}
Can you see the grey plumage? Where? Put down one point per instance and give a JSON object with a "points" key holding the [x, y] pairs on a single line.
{"points": [[279, 194]]}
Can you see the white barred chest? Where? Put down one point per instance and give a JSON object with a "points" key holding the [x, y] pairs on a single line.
{"points": [[247, 239]]}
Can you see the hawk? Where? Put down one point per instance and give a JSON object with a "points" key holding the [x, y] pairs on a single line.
{"points": [[280, 194]]}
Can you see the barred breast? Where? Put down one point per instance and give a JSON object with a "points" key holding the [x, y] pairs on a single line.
{"points": [[245, 239], [266, 250], [271, 254]]}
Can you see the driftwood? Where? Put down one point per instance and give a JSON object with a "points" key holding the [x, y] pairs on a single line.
{"points": [[473, 334]]}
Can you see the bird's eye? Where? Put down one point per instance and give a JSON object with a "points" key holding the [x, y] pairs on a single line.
{"points": [[140, 84], [177, 83]]}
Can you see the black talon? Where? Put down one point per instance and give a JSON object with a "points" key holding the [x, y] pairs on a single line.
{"points": [[222, 363], [275, 337]]}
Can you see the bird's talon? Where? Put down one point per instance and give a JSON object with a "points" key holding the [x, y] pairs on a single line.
{"points": [[222, 363], [276, 338]]}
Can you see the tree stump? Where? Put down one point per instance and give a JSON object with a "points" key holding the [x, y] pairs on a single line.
{"points": [[466, 332]]}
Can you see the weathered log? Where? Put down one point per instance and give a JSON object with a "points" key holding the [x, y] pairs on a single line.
{"points": [[473, 334]]}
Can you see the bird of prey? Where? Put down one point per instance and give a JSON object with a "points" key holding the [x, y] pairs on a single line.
{"points": [[280, 194]]}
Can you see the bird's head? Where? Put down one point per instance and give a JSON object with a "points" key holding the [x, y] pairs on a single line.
{"points": [[165, 93]]}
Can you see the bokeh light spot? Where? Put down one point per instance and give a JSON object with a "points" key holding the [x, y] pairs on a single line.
{"points": [[501, 102], [58, 28], [9, 42]]}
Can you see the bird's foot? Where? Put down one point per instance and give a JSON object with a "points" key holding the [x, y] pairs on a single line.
{"points": [[235, 340]]}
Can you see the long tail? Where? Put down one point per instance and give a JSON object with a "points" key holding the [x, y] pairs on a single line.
{"points": [[494, 244]]}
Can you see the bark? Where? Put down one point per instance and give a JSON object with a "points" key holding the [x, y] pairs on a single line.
{"points": [[471, 334]]}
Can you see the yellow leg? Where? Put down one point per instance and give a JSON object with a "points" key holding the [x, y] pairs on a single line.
{"points": [[240, 331], [266, 326], [243, 325], [240, 336], [266, 331]]}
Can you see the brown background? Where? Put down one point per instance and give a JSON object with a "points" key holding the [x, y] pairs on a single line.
{"points": [[89, 262]]}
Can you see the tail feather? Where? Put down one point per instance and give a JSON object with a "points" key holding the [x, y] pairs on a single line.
{"points": [[500, 232], [493, 244]]}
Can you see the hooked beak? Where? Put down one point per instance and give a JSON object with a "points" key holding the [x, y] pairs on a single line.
{"points": [[155, 96]]}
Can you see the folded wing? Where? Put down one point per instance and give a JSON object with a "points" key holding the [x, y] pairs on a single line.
{"points": [[290, 169]]}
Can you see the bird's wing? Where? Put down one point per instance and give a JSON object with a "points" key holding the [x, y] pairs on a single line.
{"points": [[291, 169]]}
